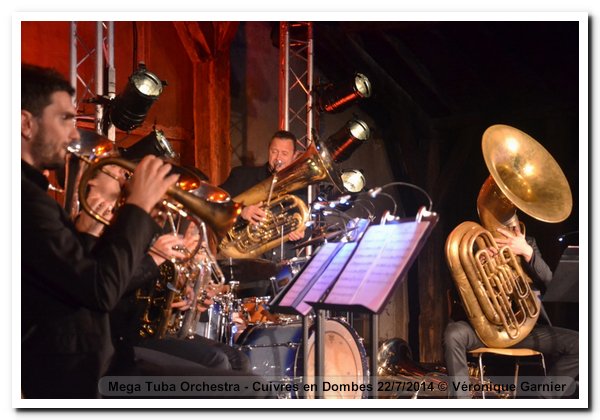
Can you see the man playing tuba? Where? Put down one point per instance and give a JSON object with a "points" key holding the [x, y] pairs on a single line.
{"points": [[559, 344], [282, 152]]}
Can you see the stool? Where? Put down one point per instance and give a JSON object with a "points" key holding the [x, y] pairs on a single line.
{"points": [[516, 353]]}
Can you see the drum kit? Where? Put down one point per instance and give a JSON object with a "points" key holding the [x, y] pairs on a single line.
{"points": [[273, 341]]}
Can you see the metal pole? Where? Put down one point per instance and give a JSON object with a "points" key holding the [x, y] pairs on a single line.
{"points": [[305, 337], [112, 77], [319, 354], [73, 59], [99, 91], [284, 77], [374, 338], [312, 190]]}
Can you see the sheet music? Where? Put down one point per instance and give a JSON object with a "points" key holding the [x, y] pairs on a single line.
{"points": [[317, 276], [384, 252]]}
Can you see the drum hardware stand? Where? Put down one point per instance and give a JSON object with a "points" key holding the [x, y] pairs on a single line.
{"points": [[305, 337], [228, 326], [374, 337], [319, 353]]}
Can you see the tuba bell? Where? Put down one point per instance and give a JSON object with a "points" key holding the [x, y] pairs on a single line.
{"points": [[495, 292]]}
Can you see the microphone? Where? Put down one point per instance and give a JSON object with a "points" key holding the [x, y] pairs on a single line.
{"points": [[332, 203], [276, 165], [424, 213], [374, 192]]}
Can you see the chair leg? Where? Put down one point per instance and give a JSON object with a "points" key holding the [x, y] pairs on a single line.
{"points": [[481, 375], [543, 363], [516, 379]]}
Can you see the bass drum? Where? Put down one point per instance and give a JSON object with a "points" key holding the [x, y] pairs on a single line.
{"points": [[276, 354]]}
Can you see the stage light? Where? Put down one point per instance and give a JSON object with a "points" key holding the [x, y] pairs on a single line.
{"points": [[353, 180], [334, 99], [129, 109], [345, 141], [154, 143]]}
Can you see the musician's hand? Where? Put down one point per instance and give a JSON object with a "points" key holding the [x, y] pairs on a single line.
{"points": [[170, 246], [87, 224], [515, 240], [185, 304], [297, 234], [253, 213], [150, 182], [202, 306]]}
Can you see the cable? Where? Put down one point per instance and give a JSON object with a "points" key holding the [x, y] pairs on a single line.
{"points": [[374, 192]]}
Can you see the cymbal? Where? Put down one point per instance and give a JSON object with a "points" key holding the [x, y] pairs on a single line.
{"points": [[247, 269]]}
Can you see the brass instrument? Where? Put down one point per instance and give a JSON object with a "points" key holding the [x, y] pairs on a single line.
{"points": [[396, 365], [208, 203], [192, 199], [158, 318], [209, 270], [494, 290], [285, 212]]}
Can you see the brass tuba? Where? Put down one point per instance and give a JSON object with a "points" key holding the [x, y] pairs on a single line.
{"points": [[285, 212], [494, 290]]}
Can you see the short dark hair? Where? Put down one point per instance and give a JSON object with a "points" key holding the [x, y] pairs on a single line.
{"points": [[37, 86], [287, 135]]}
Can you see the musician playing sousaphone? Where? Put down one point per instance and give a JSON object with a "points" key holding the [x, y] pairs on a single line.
{"points": [[282, 152], [501, 259]]}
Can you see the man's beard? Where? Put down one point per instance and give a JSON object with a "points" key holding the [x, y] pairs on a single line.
{"points": [[45, 155]]}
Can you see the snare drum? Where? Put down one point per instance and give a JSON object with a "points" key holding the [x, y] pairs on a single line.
{"points": [[276, 353]]}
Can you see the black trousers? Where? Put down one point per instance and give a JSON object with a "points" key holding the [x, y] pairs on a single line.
{"points": [[560, 344], [146, 362], [201, 350]]}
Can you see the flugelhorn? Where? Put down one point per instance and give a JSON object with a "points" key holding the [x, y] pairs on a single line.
{"points": [[211, 204]]}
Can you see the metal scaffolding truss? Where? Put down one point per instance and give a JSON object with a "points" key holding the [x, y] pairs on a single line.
{"points": [[91, 58], [296, 79]]}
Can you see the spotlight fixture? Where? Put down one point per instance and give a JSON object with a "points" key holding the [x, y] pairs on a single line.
{"points": [[334, 99], [353, 180], [154, 143], [129, 109], [345, 141]]}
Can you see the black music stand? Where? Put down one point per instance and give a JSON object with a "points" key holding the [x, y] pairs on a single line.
{"points": [[561, 299], [356, 277], [565, 281]]}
